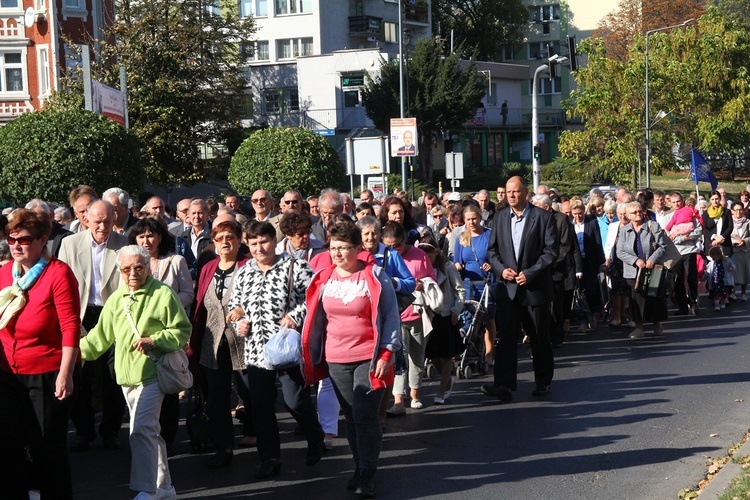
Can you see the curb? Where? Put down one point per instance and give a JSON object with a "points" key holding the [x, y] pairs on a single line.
{"points": [[723, 478]]}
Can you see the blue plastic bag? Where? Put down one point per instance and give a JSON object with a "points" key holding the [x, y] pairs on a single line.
{"points": [[283, 350]]}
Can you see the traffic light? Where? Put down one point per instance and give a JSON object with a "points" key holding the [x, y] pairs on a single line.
{"points": [[537, 151], [572, 55], [551, 63]]}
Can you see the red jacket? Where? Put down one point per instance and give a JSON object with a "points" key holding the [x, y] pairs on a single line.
{"points": [[50, 320], [385, 322]]}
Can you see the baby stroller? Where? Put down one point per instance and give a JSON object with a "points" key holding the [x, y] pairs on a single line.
{"points": [[471, 325]]}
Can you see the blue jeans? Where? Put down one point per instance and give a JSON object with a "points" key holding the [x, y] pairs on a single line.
{"points": [[361, 406]]}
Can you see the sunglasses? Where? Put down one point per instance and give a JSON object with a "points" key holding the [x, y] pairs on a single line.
{"points": [[23, 241], [291, 202], [258, 201]]}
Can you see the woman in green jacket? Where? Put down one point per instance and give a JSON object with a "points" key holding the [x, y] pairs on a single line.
{"points": [[162, 327]]}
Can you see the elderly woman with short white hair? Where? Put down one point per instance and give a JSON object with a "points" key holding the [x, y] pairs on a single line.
{"points": [[159, 325]]}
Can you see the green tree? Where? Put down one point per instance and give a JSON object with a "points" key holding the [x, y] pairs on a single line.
{"points": [[443, 93], [45, 153], [278, 159], [697, 75], [185, 78], [482, 27]]}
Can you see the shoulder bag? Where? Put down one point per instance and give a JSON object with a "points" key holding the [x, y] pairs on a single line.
{"points": [[671, 255], [171, 369], [284, 349]]}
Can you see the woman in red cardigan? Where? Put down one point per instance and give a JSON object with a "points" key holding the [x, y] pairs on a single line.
{"points": [[39, 330], [351, 331]]}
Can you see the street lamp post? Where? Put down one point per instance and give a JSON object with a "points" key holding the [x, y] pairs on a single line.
{"points": [[648, 124], [401, 80]]}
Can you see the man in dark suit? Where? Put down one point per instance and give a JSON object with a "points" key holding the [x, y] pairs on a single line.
{"points": [[522, 252]]}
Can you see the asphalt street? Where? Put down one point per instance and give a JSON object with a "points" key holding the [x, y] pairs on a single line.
{"points": [[627, 419]]}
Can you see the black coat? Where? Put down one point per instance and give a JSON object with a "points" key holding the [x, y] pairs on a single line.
{"points": [[537, 255]]}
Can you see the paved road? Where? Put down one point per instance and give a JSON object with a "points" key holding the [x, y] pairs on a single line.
{"points": [[629, 419]]}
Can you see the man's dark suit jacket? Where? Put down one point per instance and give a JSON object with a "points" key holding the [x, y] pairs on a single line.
{"points": [[537, 255]]}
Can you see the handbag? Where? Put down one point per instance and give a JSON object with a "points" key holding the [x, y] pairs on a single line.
{"points": [[196, 422], [284, 349], [172, 370], [580, 304], [652, 282], [671, 254]]}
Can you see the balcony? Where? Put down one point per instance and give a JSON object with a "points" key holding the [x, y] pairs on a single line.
{"points": [[315, 119], [516, 118], [416, 14], [364, 25]]}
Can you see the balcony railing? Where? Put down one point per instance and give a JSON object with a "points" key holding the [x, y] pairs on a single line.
{"points": [[516, 117], [317, 119], [364, 25], [416, 14]]}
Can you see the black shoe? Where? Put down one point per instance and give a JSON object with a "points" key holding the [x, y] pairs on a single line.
{"points": [[366, 488], [501, 392], [681, 312], [222, 458], [112, 443], [541, 390], [80, 443], [268, 469], [314, 453], [353, 482]]}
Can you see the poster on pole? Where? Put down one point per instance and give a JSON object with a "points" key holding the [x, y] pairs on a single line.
{"points": [[108, 102], [403, 137]]}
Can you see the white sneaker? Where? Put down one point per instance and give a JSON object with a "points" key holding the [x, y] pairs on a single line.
{"points": [[167, 493], [144, 495], [717, 308], [743, 297], [637, 333]]}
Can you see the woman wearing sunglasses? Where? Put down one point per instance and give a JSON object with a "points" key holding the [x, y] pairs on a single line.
{"points": [[39, 331]]}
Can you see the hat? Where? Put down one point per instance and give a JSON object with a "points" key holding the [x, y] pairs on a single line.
{"points": [[454, 196]]}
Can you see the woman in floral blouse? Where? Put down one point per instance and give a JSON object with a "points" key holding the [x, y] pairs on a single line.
{"points": [[262, 300]]}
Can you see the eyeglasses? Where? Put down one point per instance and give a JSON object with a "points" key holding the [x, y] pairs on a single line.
{"points": [[335, 250], [138, 269], [23, 241], [228, 239], [437, 216], [258, 201], [300, 235], [733, 210], [291, 202]]}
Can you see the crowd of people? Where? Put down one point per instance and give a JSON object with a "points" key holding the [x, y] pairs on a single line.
{"points": [[92, 296]]}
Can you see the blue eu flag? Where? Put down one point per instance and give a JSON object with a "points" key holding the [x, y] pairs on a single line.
{"points": [[701, 170]]}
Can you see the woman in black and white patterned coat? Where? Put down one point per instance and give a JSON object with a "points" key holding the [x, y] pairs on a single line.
{"points": [[262, 301]]}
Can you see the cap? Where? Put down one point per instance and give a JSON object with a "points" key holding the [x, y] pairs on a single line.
{"points": [[454, 196]]}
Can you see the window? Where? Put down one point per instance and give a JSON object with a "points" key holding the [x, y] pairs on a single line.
{"points": [[293, 7], [540, 13], [281, 100], [290, 48], [540, 50], [491, 98], [10, 4], [509, 53], [284, 49], [390, 32], [256, 8], [261, 51], [11, 72], [351, 98], [44, 70], [306, 47], [273, 101], [547, 86], [213, 7]]}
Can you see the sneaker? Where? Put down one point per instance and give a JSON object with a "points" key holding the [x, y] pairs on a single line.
{"points": [[416, 403], [144, 495], [717, 308], [166, 493], [631, 323], [742, 297], [637, 333], [396, 410], [328, 442], [439, 401]]}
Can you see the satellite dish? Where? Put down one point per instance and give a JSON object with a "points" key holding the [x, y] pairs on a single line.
{"points": [[29, 16]]}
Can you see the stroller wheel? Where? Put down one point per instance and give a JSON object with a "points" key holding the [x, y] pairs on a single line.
{"points": [[431, 371], [467, 372]]}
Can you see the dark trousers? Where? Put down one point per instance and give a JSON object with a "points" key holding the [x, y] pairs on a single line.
{"points": [[30, 410], [511, 315], [113, 402], [169, 418], [361, 406], [262, 386], [218, 394], [646, 309], [686, 285], [558, 313], [243, 391]]}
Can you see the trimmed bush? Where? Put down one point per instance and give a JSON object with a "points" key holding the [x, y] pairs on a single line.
{"points": [[44, 154], [279, 159]]}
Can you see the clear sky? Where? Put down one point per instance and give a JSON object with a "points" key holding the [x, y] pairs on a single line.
{"points": [[587, 13]]}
